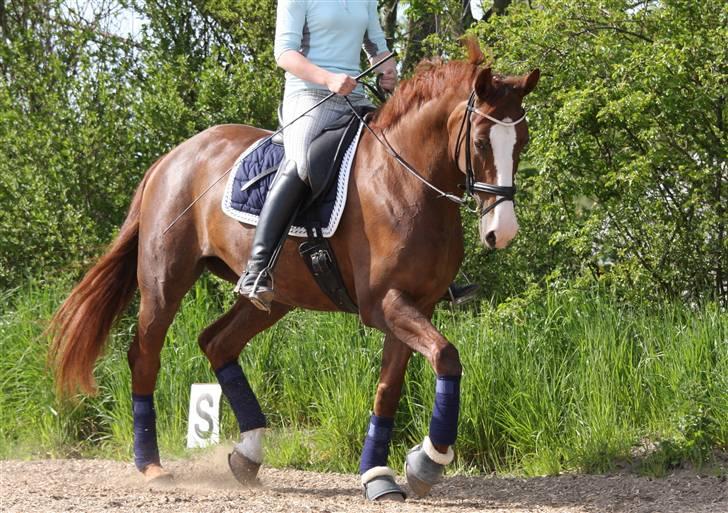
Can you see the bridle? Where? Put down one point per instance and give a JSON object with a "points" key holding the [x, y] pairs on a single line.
{"points": [[471, 185]]}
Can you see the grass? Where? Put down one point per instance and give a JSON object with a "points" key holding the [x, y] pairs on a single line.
{"points": [[554, 381]]}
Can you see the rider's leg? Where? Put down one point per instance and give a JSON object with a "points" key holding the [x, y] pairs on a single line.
{"points": [[284, 197], [461, 294], [288, 190]]}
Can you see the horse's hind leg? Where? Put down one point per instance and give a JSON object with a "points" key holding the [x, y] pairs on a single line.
{"points": [[376, 477], [222, 343], [160, 300]]}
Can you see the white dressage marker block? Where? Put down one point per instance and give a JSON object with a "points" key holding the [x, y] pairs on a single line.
{"points": [[203, 427]]}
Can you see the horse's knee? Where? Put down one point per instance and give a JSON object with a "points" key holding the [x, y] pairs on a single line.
{"points": [[144, 366], [387, 399], [389, 388], [445, 359], [214, 347], [133, 352]]}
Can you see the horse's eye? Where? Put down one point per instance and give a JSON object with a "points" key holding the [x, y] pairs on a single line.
{"points": [[481, 144]]}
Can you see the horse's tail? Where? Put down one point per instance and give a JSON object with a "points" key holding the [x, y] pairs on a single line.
{"points": [[82, 324]]}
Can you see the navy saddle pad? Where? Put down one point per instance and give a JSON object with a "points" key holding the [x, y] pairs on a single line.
{"points": [[245, 203]]}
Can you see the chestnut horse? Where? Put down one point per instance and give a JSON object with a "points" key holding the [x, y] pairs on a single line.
{"points": [[399, 245]]}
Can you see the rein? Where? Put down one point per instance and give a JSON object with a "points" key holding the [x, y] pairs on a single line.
{"points": [[471, 185], [408, 167]]}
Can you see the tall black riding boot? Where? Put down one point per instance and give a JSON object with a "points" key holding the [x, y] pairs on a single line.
{"points": [[284, 197]]}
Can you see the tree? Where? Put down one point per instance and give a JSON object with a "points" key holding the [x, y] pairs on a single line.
{"points": [[628, 136], [84, 112]]}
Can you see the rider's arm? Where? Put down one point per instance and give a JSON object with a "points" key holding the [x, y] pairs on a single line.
{"points": [[295, 63], [388, 70], [375, 46], [290, 18]]}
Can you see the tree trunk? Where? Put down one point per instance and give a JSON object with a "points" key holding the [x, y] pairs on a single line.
{"points": [[417, 30], [388, 13]]}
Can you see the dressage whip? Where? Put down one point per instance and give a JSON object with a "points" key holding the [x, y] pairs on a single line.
{"points": [[324, 100]]}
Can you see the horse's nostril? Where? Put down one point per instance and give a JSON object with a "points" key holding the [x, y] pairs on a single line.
{"points": [[490, 238]]}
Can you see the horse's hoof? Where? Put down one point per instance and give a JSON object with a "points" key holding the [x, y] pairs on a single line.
{"points": [[244, 469], [418, 486], [379, 485], [424, 466], [155, 475]]}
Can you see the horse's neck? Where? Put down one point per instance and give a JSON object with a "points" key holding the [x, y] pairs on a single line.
{"points": [[392, 196], [406, 222], [421, 138]]}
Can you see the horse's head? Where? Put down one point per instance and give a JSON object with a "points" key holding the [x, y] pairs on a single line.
{"points": [[487, 135]]}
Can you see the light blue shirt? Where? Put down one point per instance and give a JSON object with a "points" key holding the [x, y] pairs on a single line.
{"points": [[329, 33]]}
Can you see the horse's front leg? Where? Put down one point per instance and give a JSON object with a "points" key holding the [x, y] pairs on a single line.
{"points": [[400, 315], [376, 477]]}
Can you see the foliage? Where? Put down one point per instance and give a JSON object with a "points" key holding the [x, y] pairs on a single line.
{"points": [[83, 113], [57, 104], [628, 143], [559, 379], [624, 180]]}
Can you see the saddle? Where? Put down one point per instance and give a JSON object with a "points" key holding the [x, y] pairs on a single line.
{"points": [[325, 155]]}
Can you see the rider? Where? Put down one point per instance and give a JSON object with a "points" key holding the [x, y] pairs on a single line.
{"points": [[318, 44]]}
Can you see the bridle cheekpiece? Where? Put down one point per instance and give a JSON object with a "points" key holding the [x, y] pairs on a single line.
{"points": [[502, 193]]}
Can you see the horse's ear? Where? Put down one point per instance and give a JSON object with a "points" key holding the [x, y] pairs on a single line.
{"points": [[529, 82], [484, 87], [475, 54]]}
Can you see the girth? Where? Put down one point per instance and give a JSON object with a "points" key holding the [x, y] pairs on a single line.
{"points": [[324, 159]]}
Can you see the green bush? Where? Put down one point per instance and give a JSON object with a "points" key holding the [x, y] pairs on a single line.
{"points": [[624, 180], [627, 170], [83, 115]]}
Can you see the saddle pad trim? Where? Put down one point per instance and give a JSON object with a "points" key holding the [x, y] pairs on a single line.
{"points": [[297, 231]]}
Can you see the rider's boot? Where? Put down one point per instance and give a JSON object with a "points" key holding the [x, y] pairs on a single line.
{"points": [[284, 197]]}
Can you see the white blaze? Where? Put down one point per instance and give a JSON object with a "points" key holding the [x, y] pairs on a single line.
{"points": [[501, 220]]}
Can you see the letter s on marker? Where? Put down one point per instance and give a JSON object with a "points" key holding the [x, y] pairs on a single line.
{"points": [[207, 433]]}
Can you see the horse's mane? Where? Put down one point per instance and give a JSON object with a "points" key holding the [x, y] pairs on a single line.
{"points": [[432, 78]]}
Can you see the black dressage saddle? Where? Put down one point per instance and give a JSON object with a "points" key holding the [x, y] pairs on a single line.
{"points": [[325, 155], [327, 150]]}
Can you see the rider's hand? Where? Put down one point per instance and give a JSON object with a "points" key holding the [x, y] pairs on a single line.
{"points": [[340, 83], [388, 79]]}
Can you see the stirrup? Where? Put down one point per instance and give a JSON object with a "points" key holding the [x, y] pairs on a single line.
{"points": [[261, 297], [461, 294]]}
